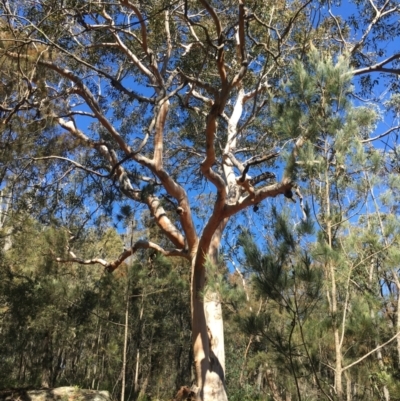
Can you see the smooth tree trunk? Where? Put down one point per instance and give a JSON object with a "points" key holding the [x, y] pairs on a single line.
{"points": [[208, 342], [207, 328]]}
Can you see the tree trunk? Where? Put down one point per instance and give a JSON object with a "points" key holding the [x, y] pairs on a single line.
{"points": [[269, 376], [349, 393], [332, 295], [338, 364], [5, 202], [125, 350], [136, 378], [208, 347], [208, 332], [397, 327], [138, 341]]}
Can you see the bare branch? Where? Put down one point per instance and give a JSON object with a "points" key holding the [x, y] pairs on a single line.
{"points": [[81, 261], [128, 4], [269, 191], [169, 43], [111, 266], [82, 89], [260, 159], [154, 165], [114, 82], [214, 16], [143, 244], [206, 165], [231, 141], [378, 15], [158, 137], [261, 88], [201, 97], [371, 352], [292, 20], [269, 27], [238, 164], [381, 135], [240, 43], [76, 164], [266, 175], [149, 52], [379, 67], [337, 24]]}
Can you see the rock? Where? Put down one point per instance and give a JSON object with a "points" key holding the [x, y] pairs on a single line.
{"points": [[55, 394]]}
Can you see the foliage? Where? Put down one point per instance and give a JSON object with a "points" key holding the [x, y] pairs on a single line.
{"points": [[63, 324]]}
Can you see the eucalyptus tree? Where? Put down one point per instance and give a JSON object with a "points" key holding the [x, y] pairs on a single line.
{"points": [[161, 104]]}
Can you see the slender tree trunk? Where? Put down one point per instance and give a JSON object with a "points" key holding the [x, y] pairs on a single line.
{"points": [[21, 367], [136, 378], [349, 393], [269, 375], [95, 375], [244, 364], [260, 378], [123, 373], [5, 202], [332, 296], [386, 393], [338, 365], [396, 279], [397, 327], [58, 368]]}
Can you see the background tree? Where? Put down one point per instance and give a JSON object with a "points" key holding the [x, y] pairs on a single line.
{"points": [[350, 239], [64, 324]]}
